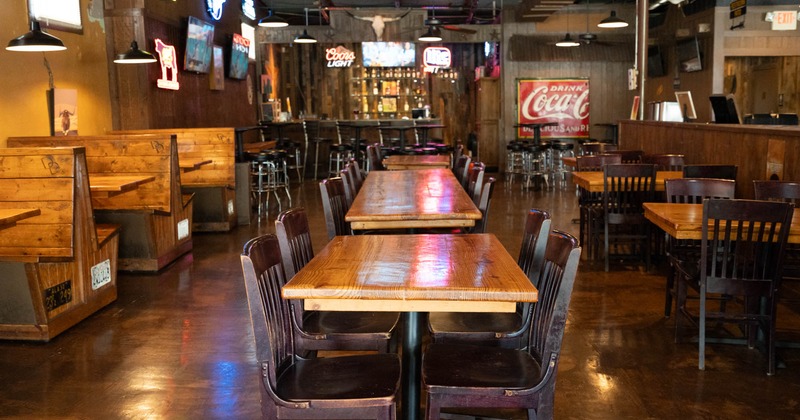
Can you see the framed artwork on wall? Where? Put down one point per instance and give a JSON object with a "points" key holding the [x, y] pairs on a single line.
{"points": [[217, 79], [64, 15]]}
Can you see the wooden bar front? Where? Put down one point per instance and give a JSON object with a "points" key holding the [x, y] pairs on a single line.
{"points": [[760, 151]]}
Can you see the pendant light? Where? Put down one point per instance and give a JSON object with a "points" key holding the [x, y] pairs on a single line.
{"points": [[567, 42], [305, 38], [135, 56], [35, 41], [612, 22], [432, 35], [272, 21]]}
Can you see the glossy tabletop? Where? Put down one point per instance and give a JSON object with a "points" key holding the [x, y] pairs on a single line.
{"points": [[111, 185], [428, 198], [592, 181], [685, 221], [400, 162], [421, 273], [10, 217]]}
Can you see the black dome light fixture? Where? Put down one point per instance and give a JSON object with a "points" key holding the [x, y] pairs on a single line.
{"points": [[612, 21], [272, 21], [135, 56], [36, 41], [567, 42], [305, 38]]}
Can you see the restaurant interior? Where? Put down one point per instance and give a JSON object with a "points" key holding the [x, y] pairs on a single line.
{"points": [[479, 221]]}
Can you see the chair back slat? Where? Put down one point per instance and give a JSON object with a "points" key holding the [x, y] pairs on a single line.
{"points": [[534, 240], [695, 190], [294, 237], [777, 190]]}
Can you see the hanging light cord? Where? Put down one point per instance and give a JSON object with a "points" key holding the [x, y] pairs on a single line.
{"points": [[49, 72]]}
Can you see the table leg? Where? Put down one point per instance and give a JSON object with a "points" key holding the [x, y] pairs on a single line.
{"points": [[412, 364]]}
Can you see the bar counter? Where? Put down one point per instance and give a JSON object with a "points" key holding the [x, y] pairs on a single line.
{"points": [[760, 151]]}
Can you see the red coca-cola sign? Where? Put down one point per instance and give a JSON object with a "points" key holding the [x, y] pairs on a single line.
{"points": [[561, 101]]}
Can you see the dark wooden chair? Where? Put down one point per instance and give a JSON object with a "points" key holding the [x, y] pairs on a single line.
{"points": [[327, 330], [507, 330], [335, 206], [460, 169], [628, 156], [689, 191], [351, 387], [483, 205], [349, 185], [475, 181], [789, 192], [710, 171], [665, 162], [596, 148], [626, 188], [374, 158], [742, 250], [587, 201], [461, 375]]}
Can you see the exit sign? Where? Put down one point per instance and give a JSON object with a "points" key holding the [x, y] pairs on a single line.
{"points": [[785, 20]]}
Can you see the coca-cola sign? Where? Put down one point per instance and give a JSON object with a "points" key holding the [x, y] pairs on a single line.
{"points": [[561, 101]]}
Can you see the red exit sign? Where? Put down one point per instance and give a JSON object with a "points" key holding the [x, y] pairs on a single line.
{"points": [[784, 20]]}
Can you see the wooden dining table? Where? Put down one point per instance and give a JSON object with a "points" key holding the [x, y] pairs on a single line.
{"points": [[428, 198], [403, 162], [110, 185], [685, 221], [413, 274], [592, 181], [10, 216]]}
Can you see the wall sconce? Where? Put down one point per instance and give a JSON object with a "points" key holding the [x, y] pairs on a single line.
{"points": [[135, 56], [35, 41]]}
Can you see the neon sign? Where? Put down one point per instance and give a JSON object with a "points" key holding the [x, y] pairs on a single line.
{"points": [[249, 9], [435, 58], [215, 8], [339, 57], [168, 59]]}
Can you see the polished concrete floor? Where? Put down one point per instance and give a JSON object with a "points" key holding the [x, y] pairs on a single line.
{"points": [[179, 344]]}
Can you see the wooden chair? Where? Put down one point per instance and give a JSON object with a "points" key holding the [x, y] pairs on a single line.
{"points": [[787, 191], [596, 148], [361, 386], [710, 171], [742, 250], [327, 330], [625, 188], [665, 162], [460, 169], [587, 201], [475, 181], [335, 206], [689, 191], [628, 156], [507, 330], [461, 375], [483, 205], [374, 158], [341, 151]]}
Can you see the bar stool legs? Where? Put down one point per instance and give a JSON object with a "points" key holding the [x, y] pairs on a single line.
{"points": [[268, 174]]}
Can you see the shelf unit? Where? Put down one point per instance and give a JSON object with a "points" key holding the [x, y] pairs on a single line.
{"points": [[388, 92]]}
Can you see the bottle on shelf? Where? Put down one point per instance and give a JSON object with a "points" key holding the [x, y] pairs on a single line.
{"points": [[380, 106]]}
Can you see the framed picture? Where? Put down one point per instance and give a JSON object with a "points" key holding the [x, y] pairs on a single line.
{"points": [[65, 112], [217, 79], [64, 15], [686, 104], [270, 111]]}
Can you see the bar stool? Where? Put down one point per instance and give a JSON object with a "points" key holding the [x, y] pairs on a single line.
{"points": [[535, 163], [340, 152], [514, 160], [560, 149], [268, 174]]}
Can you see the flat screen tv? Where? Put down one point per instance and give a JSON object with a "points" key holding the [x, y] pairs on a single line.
{"points": [[725, 111], [388, 54], [688, 53], [655, 62], [199, 46], [238, 59]]}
